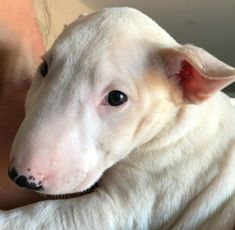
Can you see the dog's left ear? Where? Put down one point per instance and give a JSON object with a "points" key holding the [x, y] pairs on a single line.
{"points": [[199, 74]]}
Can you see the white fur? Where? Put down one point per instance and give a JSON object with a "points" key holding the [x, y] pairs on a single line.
{"points": [[165, 164]]}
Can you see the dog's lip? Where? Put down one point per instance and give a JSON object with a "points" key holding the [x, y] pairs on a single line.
{"points": [[78, 190], [69, 195], [90, 189], [39, 188]]}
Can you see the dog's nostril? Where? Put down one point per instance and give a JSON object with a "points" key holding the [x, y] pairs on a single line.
{"points": [[22, 181], [12, 173]]}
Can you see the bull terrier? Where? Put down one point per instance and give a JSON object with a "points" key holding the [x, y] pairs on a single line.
{"points": [[117, 100]]}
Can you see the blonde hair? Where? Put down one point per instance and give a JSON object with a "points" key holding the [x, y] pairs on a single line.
{"points": [[42, 15], [52, 15]]}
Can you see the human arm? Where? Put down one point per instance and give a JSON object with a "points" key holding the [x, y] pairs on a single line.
{"points": [[20, 49]]}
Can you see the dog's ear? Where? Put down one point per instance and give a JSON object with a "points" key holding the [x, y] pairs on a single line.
{"points": [[199, 73]]}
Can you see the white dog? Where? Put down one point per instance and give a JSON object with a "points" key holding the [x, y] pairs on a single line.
{"points": [[118, 98]]}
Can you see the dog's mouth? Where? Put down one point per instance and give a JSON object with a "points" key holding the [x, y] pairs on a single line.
{"points": [[68, 195]]}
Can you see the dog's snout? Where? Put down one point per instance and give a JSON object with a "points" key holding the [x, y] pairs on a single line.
{"points": [[23, 181]]}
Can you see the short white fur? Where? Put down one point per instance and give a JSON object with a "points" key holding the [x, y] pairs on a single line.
{"points": [[166, 162]]}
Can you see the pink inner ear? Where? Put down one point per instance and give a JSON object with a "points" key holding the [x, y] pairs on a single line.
{"points": [[197, 87]]}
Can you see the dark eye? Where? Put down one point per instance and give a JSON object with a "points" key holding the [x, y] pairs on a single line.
{"points": [[43, 68], [116, 98]]}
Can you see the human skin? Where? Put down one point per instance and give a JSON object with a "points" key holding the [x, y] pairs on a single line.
{"points": [[20, 49]]}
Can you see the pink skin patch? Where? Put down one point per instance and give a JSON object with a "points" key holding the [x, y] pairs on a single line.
{"points": [[195, 85]]}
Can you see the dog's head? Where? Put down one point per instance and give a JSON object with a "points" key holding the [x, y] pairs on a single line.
{"points": [[111, 81]]}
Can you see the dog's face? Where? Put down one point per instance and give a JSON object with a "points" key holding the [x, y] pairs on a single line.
{"points": [[101, 92]]}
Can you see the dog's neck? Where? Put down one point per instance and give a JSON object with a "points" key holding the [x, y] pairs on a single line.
{"points": [[181, 164]]}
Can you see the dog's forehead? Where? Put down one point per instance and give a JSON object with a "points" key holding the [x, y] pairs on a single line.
{"points": [[111, 26], [104, 45]]}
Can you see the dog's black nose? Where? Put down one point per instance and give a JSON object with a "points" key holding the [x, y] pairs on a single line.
{"points": [[22, 181], [12, 173]]}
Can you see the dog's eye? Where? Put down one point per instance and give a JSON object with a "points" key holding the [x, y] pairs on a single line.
{"points": [[116, 98], [43, 68]]}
